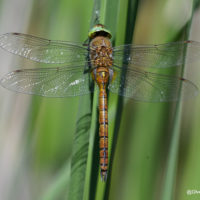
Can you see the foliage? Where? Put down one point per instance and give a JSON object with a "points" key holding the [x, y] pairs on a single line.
{"points": [[152, 146]]}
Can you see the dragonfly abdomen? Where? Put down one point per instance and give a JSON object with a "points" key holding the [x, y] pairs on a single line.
{"points": [[103, 132], [101, 76]]}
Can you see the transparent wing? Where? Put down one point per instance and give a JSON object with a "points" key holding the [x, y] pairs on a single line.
{"points": [[43, 50], [146, 86], [158, 56], [49, 82]]}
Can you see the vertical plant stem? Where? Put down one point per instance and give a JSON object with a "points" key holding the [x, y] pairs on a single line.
{"points": [[171, 170]]}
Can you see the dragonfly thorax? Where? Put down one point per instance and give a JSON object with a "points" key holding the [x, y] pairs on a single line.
{"points": [[101, 53]]}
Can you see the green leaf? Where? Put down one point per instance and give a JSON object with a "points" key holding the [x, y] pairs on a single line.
{"points": [[168, 190]]}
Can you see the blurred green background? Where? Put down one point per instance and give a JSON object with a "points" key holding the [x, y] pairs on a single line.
{"points": [[49, 147]]}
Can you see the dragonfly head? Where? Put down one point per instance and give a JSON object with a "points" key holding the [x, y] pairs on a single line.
{"points": [[99, 30]]}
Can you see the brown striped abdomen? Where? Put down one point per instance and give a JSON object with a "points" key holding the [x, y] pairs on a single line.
{"points": [[101, 76], [103, 132]]}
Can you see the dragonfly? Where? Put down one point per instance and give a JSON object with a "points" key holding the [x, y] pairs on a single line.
{"points": [[123, 70]]}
